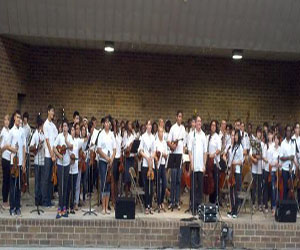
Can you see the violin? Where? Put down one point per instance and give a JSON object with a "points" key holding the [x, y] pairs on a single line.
{"points": [[175, 143], [231, 180], [72, 158], [82, 163], [270, 174], [121, 166], [14, 171], [24, 182], [291, 193], [92, 158], [54, 175], [108, 175], [150, 174], [61, 149], [128, 149]]}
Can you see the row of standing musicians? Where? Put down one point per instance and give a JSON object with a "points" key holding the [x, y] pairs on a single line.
{"points": [[64, 157]]}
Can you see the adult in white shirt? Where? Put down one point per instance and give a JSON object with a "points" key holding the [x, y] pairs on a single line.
{"points": [[288, 159], [106, 149], [26, 129], [177, 134], [5, 162], [296, 138], [214, 150], [37, 146], [78, 144], [256, 158], [16, 145], [161, 147], [84, 174], [197, 153], [147, 151], [116, 164], [50, 132], [235, 164], [127, 142], [63, 168]]}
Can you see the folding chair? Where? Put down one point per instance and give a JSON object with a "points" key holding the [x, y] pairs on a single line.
{"points": [[245, 194], [136, 191]]}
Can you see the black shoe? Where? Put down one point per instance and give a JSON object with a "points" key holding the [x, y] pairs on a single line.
{"points": [[72, 211], [11, 212]]}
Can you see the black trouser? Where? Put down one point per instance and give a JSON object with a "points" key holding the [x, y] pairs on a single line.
{"points": [[266, 189], [71, 190], [286, 177], [160, 176], [234, 193], [257, 186], [196, 190], [15, 191], [213, 196], [37, 184], [6, 179], [148, 188], [62, 182], [46, 182]]}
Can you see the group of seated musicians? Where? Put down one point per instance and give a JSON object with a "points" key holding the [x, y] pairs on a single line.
{"points": [[77, 158]]}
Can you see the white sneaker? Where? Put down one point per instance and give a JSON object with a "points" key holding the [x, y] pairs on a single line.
{"points": [[234, 216]]}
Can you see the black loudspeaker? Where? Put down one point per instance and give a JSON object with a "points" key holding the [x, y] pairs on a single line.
{"points": [[125, 208], [286, 211], [189, 236]]}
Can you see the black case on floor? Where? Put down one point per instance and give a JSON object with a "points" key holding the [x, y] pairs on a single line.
{"points": [[125, 208], [286, 211]]}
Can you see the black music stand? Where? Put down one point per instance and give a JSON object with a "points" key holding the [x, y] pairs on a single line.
{"points": [[174, 160]]}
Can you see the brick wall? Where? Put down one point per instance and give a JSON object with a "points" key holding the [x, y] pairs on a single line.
{"points": [[140, 233]]}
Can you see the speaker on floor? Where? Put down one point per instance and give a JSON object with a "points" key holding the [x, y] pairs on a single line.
{"points": [[286, 211], [189, 236], [125, 208]]}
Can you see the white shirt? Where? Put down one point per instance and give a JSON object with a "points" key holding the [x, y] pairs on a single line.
{"points": [[161, 146], [235, 157], [118, 139], [107, 143], [177, 133], [77, 145], [4, 140], [272, 156], [245, 140], [287, 149], [60, 140], [147, 145], [227, 139], [198, 147], [127, 141], [297, 140], [37, 138], [50, 132], [256, 167], [27, 132], [214, 144], [16, 136]]}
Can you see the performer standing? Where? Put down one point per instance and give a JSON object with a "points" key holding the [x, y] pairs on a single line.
{"points": [[50, 132], [63, 167], [37, 146], [197, 152], [4, 145], [16, 145], [176, 142], [106, 149], [161, 147], [214, 149], [146, 150]]}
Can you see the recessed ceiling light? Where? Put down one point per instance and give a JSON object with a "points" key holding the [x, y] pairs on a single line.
{"points": [[237, 54], [109, 47]]}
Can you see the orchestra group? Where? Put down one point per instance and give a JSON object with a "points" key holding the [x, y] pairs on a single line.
{"points": [[79, 158]]}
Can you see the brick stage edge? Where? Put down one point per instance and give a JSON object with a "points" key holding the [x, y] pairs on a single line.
{"points": [[144, 231]]}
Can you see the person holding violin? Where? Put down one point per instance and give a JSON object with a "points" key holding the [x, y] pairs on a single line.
{"points": [[128, 139], [16, 145], [288, 159], [160, 160], [118, 164], [235, 155], [197, 153], [50, 132], [273, 161], [84, 156], [78, 144], [176, 142], [106, 149], [5, 161], [37, 147], [256, 158], [214, 149], [61, 148], [147, 151], [296, 138]]}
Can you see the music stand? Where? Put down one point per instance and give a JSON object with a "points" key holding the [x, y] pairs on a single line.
{"points": [[135, 146], [174, 160]]}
